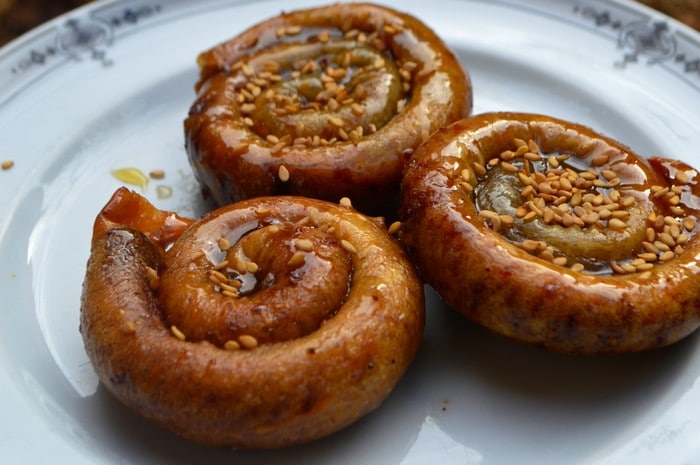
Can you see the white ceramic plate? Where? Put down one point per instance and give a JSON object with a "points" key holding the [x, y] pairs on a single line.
{"points": [[108, 86]]}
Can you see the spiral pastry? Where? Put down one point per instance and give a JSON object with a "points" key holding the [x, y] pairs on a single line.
{"points": [[326, 103], [551, 234], [266, 323]]}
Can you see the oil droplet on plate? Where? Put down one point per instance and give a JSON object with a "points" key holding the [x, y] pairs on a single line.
{"points": [[133, 176]]}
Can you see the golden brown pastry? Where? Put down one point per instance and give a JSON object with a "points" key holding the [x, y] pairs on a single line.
{"points": [[266, 323], [327, 102], [549, 233]]}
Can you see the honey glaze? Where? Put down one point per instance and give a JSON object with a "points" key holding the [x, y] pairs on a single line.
{"points": [[266, 323], [338, 96], [253, 267], [599, 218], [554, 234], [597, 208]]}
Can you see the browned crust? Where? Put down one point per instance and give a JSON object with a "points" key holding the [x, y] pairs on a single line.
{"points": [[278, 393], [368, 172], [513, 293]]}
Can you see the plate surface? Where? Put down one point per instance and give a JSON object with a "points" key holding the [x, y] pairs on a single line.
{"points": [[108, 86]]}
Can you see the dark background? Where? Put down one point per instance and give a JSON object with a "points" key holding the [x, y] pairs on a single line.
{"points": [[18, 16]]}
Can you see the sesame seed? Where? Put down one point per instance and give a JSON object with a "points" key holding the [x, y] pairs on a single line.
{"points": [[678, 211], [224, 244], [479, 169], [357, 109], [506, 220], [492, 218], [629, 268], [314, 216], [228, 288], [509, 167], [347, 245], [283, 173], [506, 155], [252, 267], [577, 267], [688, 223], [177, 333], [648, 256], [532, 146], [278, 147], [304, 244], [650, 234], [297, 259], [345, 201], [7, 164], [219, 276], [666, 238], [674, 230], [529, 216], [650, 247], [565, 184], [232, 345], [661, 246], [529, 245], [627, 201], [335, 121], [394, 227], [247, 108], [248, 341], [604, 213], [617, 268], [615, 223]]}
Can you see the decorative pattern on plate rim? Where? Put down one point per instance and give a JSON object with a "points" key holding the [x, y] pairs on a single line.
{"points": [[86, 36], [647, 40]]}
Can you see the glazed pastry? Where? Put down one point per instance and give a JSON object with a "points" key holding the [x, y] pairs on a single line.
{"points": [[549, 233], [266, 323], [326, 103]]}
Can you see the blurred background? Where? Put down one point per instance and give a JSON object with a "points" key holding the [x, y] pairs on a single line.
{"points": [[18, 16]]}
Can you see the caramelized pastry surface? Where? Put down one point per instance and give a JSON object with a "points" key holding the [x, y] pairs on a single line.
{"points": [[266, 323], [550, 233], [327, 103]]}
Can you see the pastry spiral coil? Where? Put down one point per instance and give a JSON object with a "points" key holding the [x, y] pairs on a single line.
{"points": [[261, 325], [326, 103], [555, 235]]}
